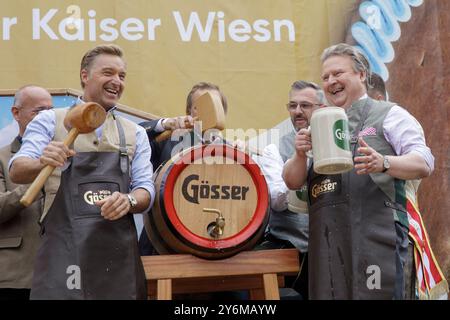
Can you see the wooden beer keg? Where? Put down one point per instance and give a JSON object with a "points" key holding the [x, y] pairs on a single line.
{"points": [[211, 201]]}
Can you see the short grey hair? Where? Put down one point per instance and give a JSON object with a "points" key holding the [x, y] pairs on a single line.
{"points": [[301, 84], [360, 61]]}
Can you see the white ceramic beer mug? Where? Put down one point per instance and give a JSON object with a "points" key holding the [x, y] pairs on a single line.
{"points": [[298, 200], [331, 141]]}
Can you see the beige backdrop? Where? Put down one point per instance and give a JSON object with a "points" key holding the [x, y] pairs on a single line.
{"points": [[255, 75]]}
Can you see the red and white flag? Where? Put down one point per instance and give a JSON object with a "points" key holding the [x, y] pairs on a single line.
{"points": [[431, 283]]}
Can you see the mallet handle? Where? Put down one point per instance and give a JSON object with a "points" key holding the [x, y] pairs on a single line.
{"points": [[45, 173], [163, 135]]}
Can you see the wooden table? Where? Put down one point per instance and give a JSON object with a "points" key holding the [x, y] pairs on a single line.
{"points": [[261, 272]]}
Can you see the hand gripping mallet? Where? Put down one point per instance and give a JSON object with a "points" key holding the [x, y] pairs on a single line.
{"points": [[83, 118], [209, 111]]}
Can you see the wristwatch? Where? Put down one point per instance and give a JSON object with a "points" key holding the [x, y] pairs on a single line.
{"points": [[386, 164], [132, 200]]}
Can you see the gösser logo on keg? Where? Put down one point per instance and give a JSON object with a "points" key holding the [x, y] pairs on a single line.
{"points": [[341, 134], [203, 190]]}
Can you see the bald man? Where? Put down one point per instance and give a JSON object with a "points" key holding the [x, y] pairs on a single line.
{"points": [[19, 228]]}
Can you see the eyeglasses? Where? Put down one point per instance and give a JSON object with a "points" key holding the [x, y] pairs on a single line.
{"points": [[41, 108], [304, 106]]}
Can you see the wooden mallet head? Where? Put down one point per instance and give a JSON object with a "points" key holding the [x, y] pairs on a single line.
{"points": [[85, 117], [210, 111]]}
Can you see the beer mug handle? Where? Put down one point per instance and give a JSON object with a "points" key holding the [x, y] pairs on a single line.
{"points": [[309, 153]]}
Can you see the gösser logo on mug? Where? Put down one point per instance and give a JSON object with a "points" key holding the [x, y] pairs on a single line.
{"points": [[331, 141]]}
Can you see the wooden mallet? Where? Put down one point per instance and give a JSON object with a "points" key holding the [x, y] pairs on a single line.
{"points": [[83, 118], [209, 111]]}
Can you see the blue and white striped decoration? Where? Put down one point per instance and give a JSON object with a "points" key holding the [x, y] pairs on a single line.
{"points": [[379, 28]]}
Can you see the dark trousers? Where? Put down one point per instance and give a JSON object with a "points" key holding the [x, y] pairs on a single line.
{"points": [[14, 294], [405, 277], [298, 282], [145, 246]]}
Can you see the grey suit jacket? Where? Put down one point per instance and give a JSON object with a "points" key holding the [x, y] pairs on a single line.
{"points": [[19, 228]]}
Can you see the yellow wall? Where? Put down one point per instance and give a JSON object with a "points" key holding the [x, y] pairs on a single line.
{"points": [[255, 75]]}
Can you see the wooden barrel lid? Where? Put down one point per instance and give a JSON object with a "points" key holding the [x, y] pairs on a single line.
{"points": [[218, 177]]}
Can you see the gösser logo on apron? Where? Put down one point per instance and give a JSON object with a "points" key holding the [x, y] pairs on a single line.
{"points": [[92, 192]]}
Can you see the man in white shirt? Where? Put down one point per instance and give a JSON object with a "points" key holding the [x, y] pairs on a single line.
{"points": [[87, 229], [288, 222]]}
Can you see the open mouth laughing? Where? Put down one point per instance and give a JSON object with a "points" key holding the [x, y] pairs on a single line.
{"points": [[112, 92], [335, 91]]}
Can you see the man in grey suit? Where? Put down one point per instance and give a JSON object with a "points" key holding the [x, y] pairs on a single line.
{"points": [[19, 228]]}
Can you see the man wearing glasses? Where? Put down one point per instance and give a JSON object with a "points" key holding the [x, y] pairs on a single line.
{"points": [[288, 222], [19, 229]]}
